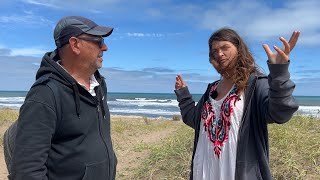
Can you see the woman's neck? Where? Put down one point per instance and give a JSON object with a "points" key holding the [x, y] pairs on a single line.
{"points": [[223, 88]]}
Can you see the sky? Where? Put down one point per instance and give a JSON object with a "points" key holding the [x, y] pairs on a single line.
{"points": [[154, 40]]}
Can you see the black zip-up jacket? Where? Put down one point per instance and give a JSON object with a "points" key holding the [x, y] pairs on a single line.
{"points": [[267, 100], [63, 131]]}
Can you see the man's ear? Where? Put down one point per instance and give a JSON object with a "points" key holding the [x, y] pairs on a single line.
{"points": [[74, 44]]}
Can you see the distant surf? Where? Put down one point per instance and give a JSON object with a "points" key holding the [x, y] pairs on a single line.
{"points": [[152, 104]]}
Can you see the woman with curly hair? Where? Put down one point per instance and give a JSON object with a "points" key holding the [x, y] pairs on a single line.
{"points": [[230, 120]]}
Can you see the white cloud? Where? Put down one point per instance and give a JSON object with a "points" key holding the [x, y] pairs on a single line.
{"points": [[257, 20], [4, 51], [92, 6], [310, 39], [120, 80], [28, 19], [137, 34], [27, 52], [36, 64], [47, 3]]}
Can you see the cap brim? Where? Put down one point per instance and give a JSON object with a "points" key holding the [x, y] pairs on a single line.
{"points": [[100, 31]]}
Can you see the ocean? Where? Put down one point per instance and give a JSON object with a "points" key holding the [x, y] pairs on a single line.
{"points": [[152, 104]]}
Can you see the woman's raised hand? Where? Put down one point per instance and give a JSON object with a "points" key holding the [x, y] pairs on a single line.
{"points": [[282, 55], [179, 82]]}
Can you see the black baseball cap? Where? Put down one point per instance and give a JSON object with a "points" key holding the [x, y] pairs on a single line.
{"points": [[73, 26]]}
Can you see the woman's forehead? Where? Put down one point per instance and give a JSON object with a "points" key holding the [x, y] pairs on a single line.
{"points": [[218, 44]]}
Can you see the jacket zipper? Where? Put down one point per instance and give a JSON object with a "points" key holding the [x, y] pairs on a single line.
{"points": [[100, 132], [243, 117]]}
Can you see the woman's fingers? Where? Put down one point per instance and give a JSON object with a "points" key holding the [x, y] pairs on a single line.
{"points": [[268, 52], [286, 49], [179, 82], [282, 57], [293, 39]]}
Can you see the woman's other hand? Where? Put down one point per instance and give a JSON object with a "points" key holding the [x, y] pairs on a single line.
{"points": [[179, 82]]}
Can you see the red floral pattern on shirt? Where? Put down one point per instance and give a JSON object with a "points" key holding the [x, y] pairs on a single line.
{"points": [[218, 126]]}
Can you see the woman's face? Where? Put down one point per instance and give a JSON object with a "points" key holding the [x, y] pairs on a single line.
{"points": [[223, 56]]}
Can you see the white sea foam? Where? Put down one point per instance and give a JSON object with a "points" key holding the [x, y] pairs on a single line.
{"points": [[160, 107], [145, 111], [309, 110], [145, 102], [11, 106], [10, 99]]}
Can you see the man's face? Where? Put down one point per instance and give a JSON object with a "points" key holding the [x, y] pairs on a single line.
{"points": [[92, 51]]}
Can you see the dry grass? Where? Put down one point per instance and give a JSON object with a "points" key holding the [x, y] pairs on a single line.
{"points": [[295, 149], [294, 152], [170, 159], [8, 115], [162, 149]]}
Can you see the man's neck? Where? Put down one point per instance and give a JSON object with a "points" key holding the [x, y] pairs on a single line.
{"points": [[78, 73]]}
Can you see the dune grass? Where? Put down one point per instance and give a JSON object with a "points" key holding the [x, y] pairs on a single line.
{"points": [[294, 152], [138, 125], [294, 148], [170, 159], [8, 115]]}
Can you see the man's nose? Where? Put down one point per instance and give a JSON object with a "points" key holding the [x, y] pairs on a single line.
{"points": [[104, 47]]}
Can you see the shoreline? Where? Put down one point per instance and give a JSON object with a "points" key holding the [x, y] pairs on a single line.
{"points": [[139, 117]]}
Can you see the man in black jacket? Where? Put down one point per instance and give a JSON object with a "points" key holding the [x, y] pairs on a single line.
{"points": [[63, 130]]}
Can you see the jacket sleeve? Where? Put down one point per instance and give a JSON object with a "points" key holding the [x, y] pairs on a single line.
{"points": [[187, 106], [36, 126], [278, 104]]}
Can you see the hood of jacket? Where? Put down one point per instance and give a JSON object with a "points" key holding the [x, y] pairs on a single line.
{"points": [[49, 67]]}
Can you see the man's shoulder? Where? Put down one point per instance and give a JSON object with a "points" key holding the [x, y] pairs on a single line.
{"points": [[43, 88], [47, 81], [42, 80]]}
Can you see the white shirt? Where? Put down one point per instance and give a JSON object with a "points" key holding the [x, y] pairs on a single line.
{"points": [[93, 83], [209, 162]]}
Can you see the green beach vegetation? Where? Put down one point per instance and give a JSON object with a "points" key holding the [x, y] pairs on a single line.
{"points": [[294, 152], [149, 148]]}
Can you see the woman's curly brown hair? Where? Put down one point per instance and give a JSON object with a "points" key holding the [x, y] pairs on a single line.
{"points": [[245, 64]]}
